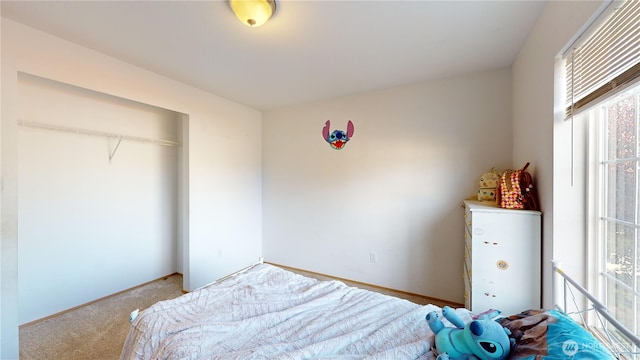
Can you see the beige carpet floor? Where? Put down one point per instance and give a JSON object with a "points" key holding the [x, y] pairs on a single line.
{"points": [[96, 331]]}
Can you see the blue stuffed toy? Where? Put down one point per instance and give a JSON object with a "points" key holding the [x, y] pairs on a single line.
{"points": [[482, 339]]}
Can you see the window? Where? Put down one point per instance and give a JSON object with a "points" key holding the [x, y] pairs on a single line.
{"points": [[616, 186], [602, 72]]}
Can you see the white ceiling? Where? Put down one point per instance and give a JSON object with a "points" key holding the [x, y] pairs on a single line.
{"points": [[309, 51]]}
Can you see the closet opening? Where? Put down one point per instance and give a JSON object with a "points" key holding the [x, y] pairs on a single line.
{"points": [[102, 195]]}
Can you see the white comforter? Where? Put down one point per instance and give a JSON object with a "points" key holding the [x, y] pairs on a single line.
{"points": [[270, 313]]}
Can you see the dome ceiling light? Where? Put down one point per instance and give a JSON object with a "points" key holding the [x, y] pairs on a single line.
{"points": [[253, 13]]}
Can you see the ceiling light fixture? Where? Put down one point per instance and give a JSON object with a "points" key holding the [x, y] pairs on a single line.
{"points": [[253, 13]]}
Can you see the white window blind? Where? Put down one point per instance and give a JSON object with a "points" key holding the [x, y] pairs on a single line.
{"points": [[606, 60]]}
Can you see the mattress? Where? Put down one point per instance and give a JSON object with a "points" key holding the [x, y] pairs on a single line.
{"points": [[270, 313]]}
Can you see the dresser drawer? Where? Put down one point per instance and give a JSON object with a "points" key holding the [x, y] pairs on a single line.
{"points": [[467, 239], [467, 287], [467, 260], [467, 217]]}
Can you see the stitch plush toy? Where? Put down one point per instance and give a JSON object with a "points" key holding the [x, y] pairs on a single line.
{"points": [[482, 339]]}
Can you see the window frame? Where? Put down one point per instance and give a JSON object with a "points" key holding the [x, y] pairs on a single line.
{"points": [[597, 190]]}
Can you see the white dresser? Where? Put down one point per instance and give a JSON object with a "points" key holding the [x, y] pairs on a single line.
{"points": [[502, 258]]}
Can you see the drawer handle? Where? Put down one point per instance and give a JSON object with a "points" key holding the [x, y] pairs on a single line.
{"points": [[490, 243], [487, 294]]}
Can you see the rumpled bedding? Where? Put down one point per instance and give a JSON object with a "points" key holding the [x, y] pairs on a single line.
{"points": [[271, 313], [551, 335]]}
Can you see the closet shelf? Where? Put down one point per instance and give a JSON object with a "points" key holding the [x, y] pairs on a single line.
{"points": [[120, 137]]}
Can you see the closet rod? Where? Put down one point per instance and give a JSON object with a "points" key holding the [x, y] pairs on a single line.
{"points": [[95, 133]]}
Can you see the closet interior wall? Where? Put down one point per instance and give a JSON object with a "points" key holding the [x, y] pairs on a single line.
{"points": [[99, 195]]}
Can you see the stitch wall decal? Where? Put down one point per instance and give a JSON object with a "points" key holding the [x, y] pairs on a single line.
{"points": [[338, 138]]}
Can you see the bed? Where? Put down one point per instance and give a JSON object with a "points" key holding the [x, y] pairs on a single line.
{"points": [[267, 312]]}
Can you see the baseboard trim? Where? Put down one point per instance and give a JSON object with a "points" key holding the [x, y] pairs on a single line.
{"points": [[33, 322], [452, 304]]}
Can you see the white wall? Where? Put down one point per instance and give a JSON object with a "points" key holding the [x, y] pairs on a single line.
{"points": [[223, 173], [542, 137], [395, 189]]}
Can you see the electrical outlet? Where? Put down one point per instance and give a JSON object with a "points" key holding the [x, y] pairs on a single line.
{"points": [[373, 257]]}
